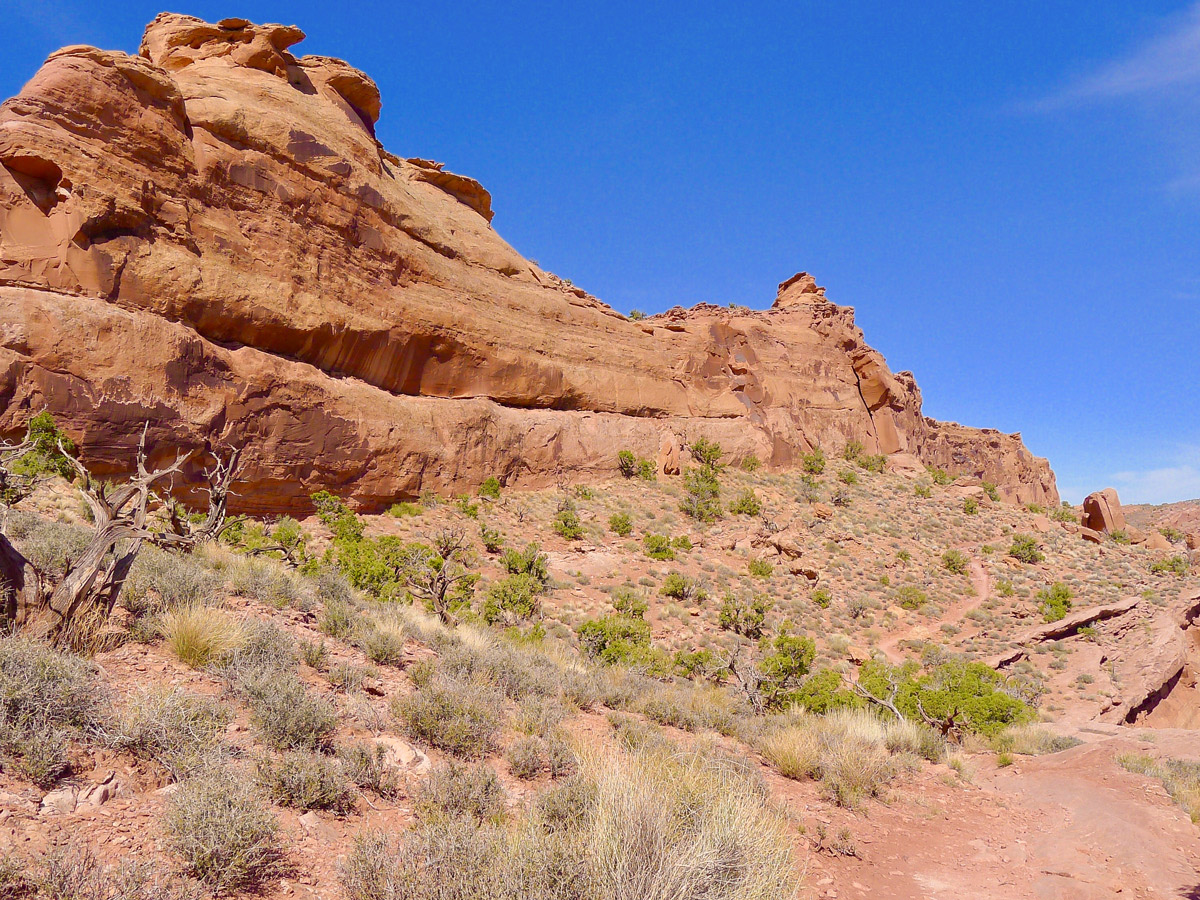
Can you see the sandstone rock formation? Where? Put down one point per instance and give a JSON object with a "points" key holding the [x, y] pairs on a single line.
{"points": [[1102, 511], [209, 237]]}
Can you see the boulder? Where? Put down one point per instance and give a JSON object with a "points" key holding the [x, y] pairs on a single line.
{"points": [[1102, 511], [1135, 535], [1157, 542], [1090, 534], [668, 454]]}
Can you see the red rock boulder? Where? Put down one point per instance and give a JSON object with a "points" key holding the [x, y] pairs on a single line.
{"points": [[1102, 511]]}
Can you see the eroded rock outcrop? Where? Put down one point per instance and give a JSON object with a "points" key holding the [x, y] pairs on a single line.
{"points": [[208, 236], [1102, 511]]}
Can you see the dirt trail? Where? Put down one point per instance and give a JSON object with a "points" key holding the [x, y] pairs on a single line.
{"points": [[1069, 826], [981, 583]]}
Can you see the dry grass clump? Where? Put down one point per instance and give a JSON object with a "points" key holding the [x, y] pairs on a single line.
{"points": [[224, 834], [850, 751], [650, 825], [160, 581], [1032, 740], [45, 696], [307, 781], [201, 635], [1180, 777], [461, 718], [454, 790], [181, 731]]}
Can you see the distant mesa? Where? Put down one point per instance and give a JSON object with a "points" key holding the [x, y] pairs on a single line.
{"points": [[208, 236]]}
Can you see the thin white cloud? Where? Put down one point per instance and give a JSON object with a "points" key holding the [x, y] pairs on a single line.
{"points": [[1166, 65], [1166, 484]]}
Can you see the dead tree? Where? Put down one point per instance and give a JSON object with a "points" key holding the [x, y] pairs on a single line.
{"points": [[947, 727], [889, 702], [748, 679], [64, 607], [435, 573], [219, 478]]}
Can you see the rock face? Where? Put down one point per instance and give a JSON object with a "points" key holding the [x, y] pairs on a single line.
{"points": [[209, 237], [1102, 511]]}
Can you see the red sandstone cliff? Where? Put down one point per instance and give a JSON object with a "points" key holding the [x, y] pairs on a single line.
{"points": [[208, 236]]}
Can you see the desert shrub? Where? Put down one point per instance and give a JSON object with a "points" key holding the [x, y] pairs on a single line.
{"points": [[182, 731], [530, 561], [702, 494], [315, 654], [286, 714], [840, 498], [1024, 548], [266, 580], [629, 602], [527, 757], [621, 640], [337, 619], [222, 832], [955, 562], [703, 663], [683, 542], [337, 517], [707, 453], [786, 660], [465, 506], [911, 597], [658, 546], [991, 491], [620, 524], [849, 476], [970, 506], [853, 450], [1175, 565], [45, 457], [973, 692], [682, 587], [643, 824], [201, 635], [824, 691], [747, 504], [939, 476], [490, 488], [514, 597], [822, 598], [923, 491], [875, 463], [45, 695], [567, 524], [743, 618], [1119, 537], [516, 673], [1065, 513], [306, 781], [366, 766], [405, 508], [1054, 601], [751, 463], [161, 581], [759, 568], [627, 463], [462, 719], [454, 790], [813, 463], [491, 538], [383, 643]]}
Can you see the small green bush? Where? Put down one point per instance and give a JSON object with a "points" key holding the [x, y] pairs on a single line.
{"points": [[658, 546], [1024, 549], [955, 562], [284, 712], [751, 463], [702, 500], [940, 476], [747, 504], [822, 598], [970, 506], [911, 597], [1175, 565], [620, 524], [630, 603], [760, 568], [530, 561], [848, 477], [681, 587], [923, 491], [456, 791], [515, 597], [814, 462], [490, 488], [491, 538], [1055, 601]]}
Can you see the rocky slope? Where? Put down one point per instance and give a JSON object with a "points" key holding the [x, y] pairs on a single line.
{"points": [[208, 236]]}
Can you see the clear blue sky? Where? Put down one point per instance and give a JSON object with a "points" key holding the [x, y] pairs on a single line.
{"points": [[1008, 193]]}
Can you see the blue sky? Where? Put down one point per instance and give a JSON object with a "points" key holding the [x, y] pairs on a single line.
{"points": [[1007, 193]]}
